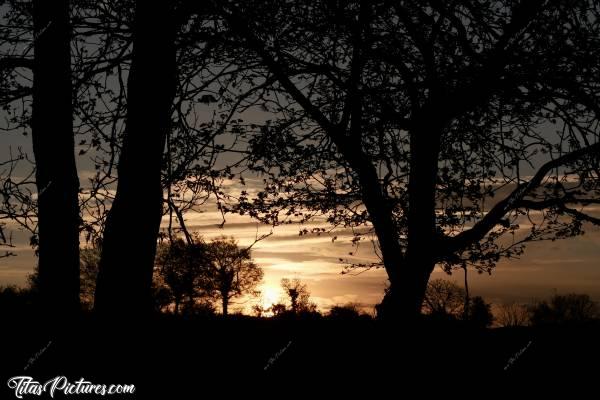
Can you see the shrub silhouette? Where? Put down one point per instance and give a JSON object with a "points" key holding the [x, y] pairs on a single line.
{"points": [[512, 315], [564, 309], [480, 313]]}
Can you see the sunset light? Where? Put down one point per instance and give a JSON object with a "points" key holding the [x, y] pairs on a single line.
{"points": [[269, 295], [288, 189]]}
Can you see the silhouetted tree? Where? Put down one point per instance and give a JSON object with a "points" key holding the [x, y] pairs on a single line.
{"points": [[346, 312], [435, 124], [568, 308], [16, 301], [259, 310], [480, 312], [100, 76], [88, 271], [90, 68], [443, 298], [53, 147], [278, 309], [17, 170], [512, 315], [103, 103], [299, 296], [61, 72], [231, 272], [202, 308], [124, 283], [178, 280], [182, 267]]}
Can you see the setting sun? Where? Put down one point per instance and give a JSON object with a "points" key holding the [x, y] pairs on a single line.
{"points": [[270, 296]]}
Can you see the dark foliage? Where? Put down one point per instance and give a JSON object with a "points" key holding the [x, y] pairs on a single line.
{"points": [[570, 308]]}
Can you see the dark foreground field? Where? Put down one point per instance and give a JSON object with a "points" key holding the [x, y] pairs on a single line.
{"points": [[179, 359]]}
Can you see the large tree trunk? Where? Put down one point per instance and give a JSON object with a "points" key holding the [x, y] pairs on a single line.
{"points": [[129, 245], [408, 283], [405, 295], [53, 149], [421, 249]]}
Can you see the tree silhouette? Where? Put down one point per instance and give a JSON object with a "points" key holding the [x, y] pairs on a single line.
{"points": [[65, 69], [183, 267], [259, 310], [346, 312], [124, 283], [53, 147], [443, 298], [231, 272], [88, 271], [561, 309], [480, 312], [299, 296], [180, 278], [100, 109], [433, 126], [278, 309], [512, 315]]}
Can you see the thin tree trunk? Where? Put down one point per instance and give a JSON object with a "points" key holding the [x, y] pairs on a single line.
{"points": [[225, 305], [129, 244], [53, 149], [467, 297]]}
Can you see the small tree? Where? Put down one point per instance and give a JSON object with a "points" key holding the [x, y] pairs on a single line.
{"points": [[182, 268], [480, 313], [349, 311], [278, 309], [258, 310], [512, 314], [231, 272], [299, 296], [443, 298]]}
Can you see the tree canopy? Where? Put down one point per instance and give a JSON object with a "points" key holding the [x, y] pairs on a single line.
{"points": [[437, 127], [231, 272]]}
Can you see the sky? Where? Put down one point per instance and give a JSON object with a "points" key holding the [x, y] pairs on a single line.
{"points": [[569, 265]]}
